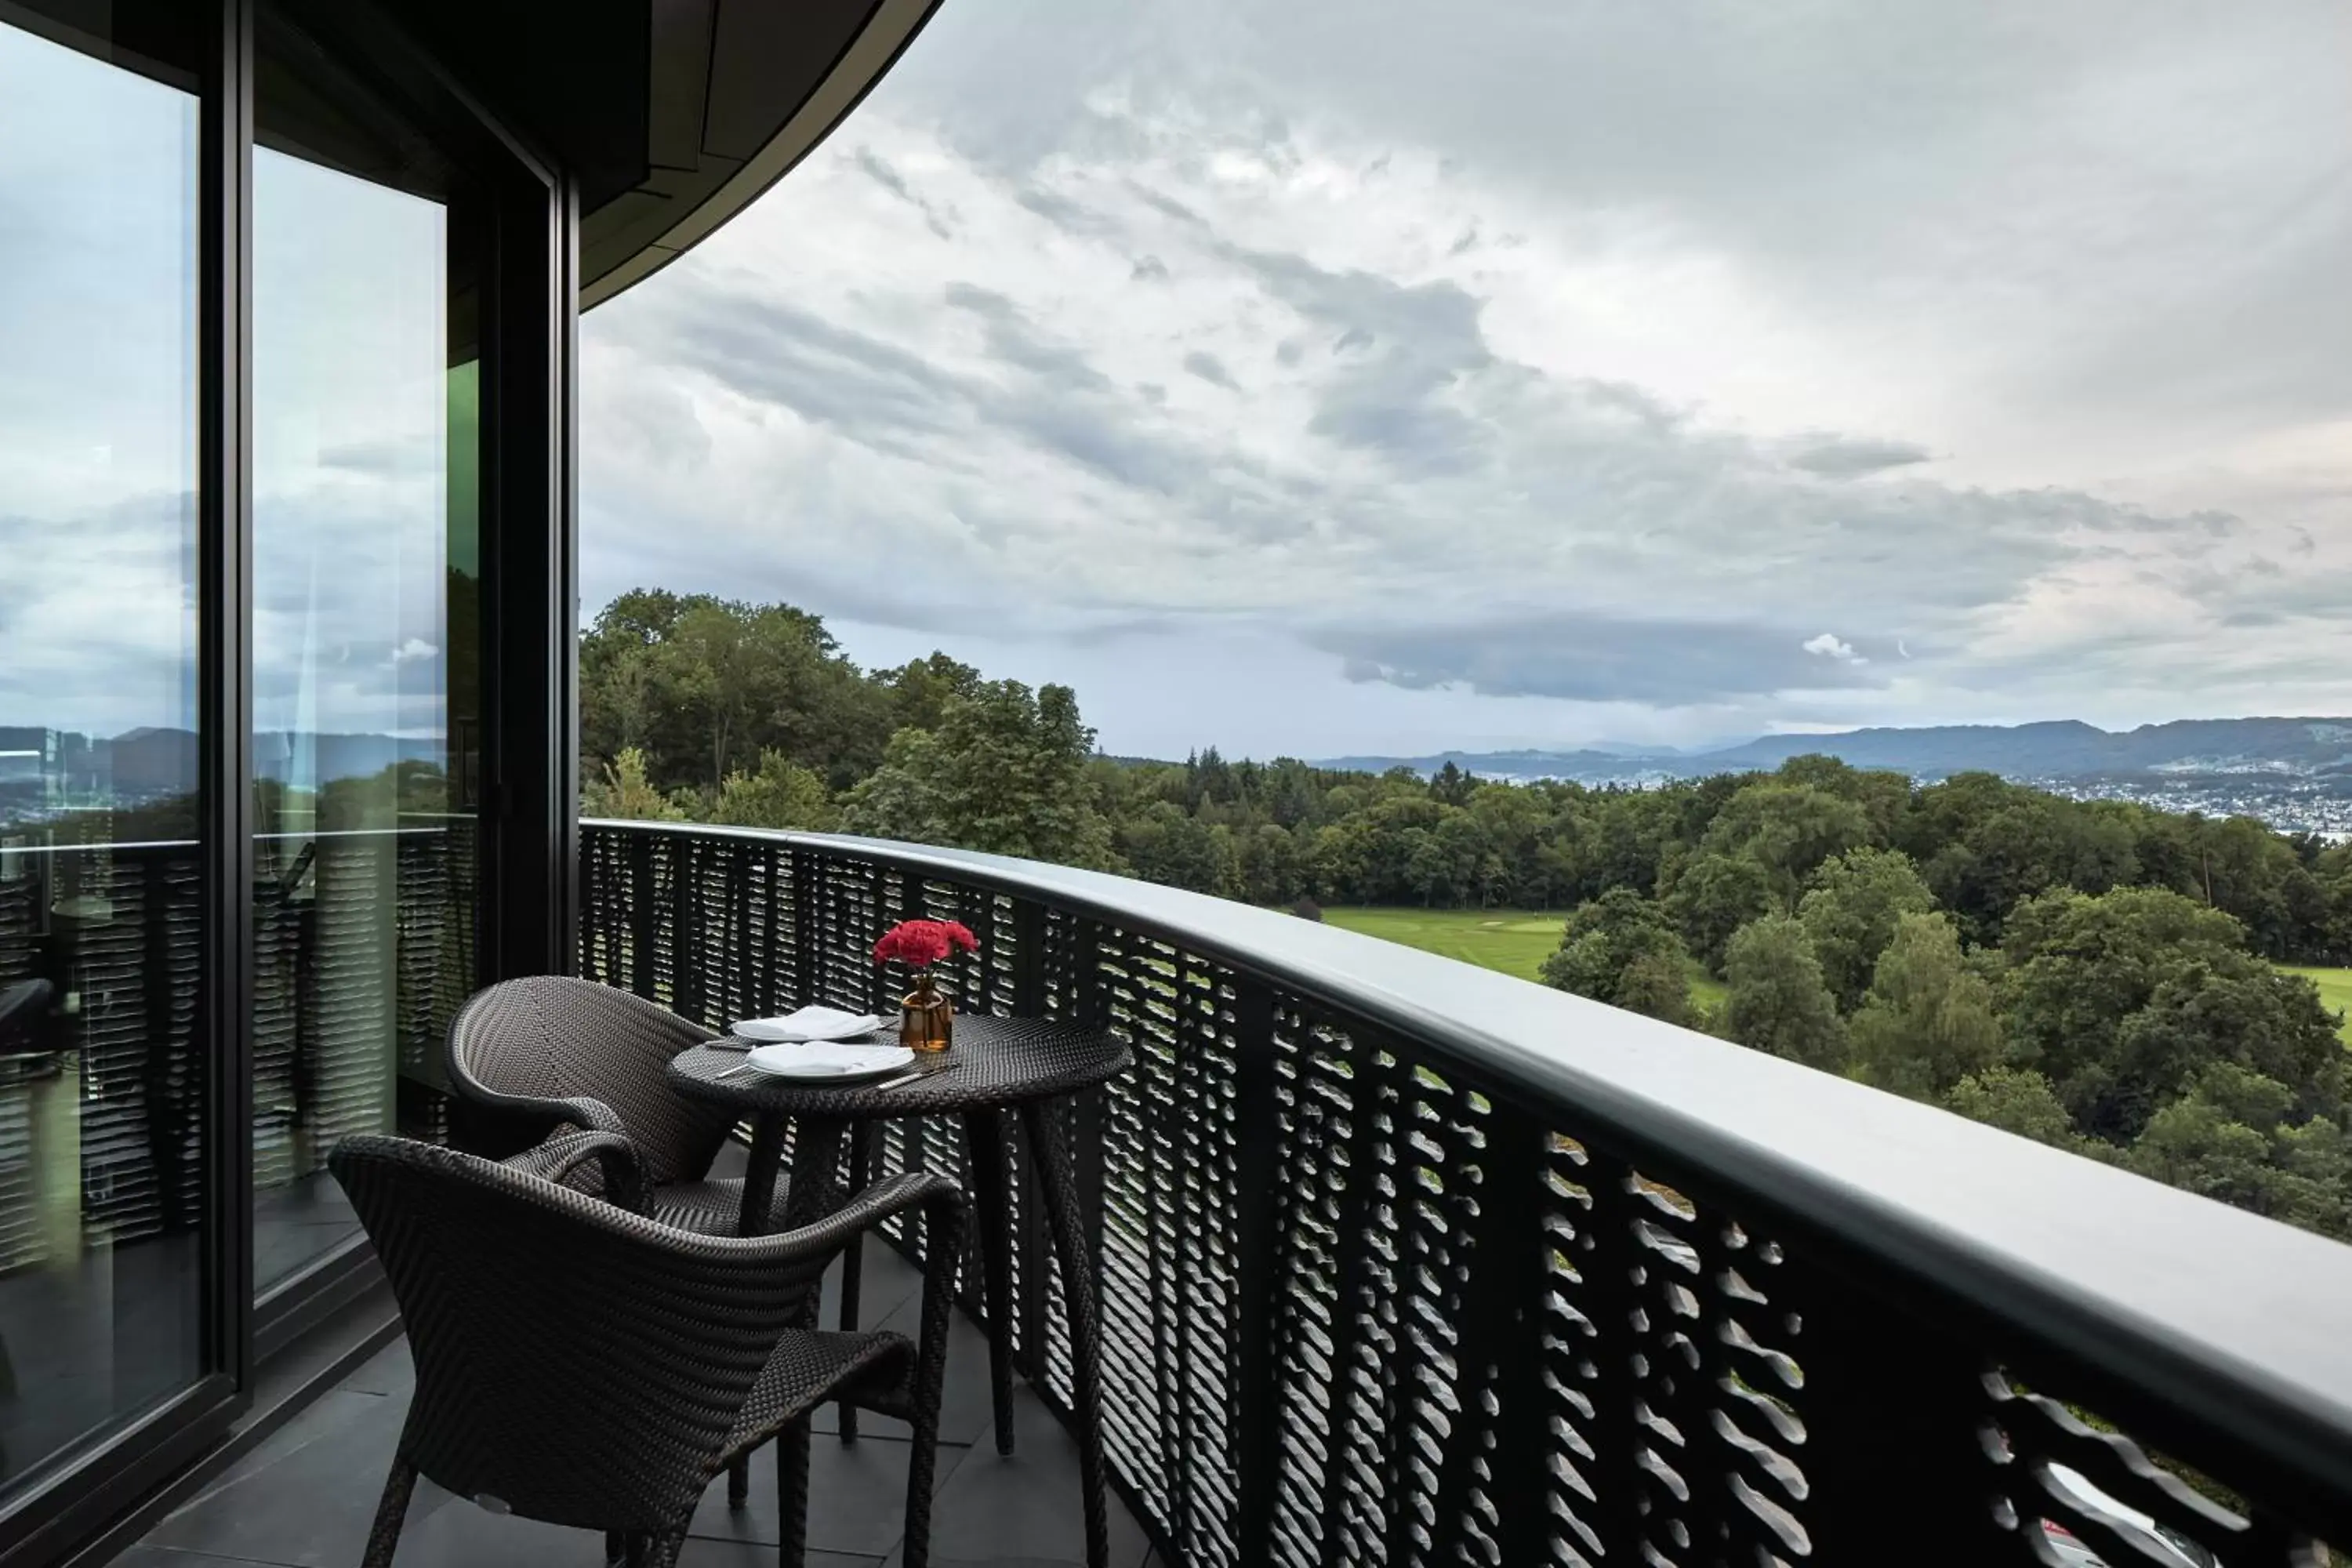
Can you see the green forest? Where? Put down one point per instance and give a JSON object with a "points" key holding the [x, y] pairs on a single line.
{"points": [[2099, 975]]}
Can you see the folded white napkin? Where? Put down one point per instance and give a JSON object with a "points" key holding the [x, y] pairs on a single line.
{"points": [[809, 1024]]}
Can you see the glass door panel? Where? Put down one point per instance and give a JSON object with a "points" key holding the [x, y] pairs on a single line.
{"points": [[363, 625], [103, 1162]]}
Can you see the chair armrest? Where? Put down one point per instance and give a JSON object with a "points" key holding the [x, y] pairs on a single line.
{"points": [[590, 1115], [915, 1393], [546, 1117], [908, 1190], [616, 1159]]}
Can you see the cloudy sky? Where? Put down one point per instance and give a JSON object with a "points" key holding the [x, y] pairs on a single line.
{"points": [[1376, 375], [98, 401], [1323, 377]]}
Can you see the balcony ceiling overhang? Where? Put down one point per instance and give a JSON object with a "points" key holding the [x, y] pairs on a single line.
{"points": [[673, 114]]}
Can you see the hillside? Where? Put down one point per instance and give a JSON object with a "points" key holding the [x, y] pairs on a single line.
{"points": [[2309, 748]]}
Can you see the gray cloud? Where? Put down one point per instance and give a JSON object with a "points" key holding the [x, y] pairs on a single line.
{"points": [[1062, 212], [1150, 269], [781, 353], [885, 175], [901, 403], [889, 179], [1593, 658], [1211, 369], [1013, 338], [385, 459], [1841, 460], [1167, 206], [1414, 343]]}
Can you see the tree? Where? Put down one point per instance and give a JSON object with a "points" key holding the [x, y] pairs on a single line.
{"points": [[1713, 895], [1623, 840], [624, 701], [1775, 999], [2234, 1138], [2245, 869], [1453, 863], [1269, 865], [749, 675], [1168, 846], [1618, 949], [921, 690], [1367, 856], [1885, 798], [1658, 985], [624, 791], [701, 684], [2229, 1009], [1512, 821], [1851, 911], [782, 793], [1209, 780], [2119, 998], [1788, 829], [1928, 1021], [2015, 1099], [1984, 845], [1452, 786], [1005, 771]]}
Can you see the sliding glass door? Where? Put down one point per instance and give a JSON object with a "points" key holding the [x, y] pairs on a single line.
{"points": [[247, 257], [104, 1156]]}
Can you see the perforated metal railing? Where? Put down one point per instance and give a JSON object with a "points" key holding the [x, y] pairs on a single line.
{"points": [[1408, 1263]]}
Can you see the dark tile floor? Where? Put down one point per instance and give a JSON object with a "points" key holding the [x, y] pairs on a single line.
{"points": [[89, 1336], [304, 1498]]}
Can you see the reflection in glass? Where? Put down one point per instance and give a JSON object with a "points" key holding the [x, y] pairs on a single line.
{"points": [[362, 860], [101, 1081]]}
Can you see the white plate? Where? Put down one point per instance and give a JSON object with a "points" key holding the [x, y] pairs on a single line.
{"points": [[829, 1062], [810, 1024]]}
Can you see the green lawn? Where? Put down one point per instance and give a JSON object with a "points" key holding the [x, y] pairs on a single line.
{"points": [[2335, 990], [1514, 941], [1706, 990]]}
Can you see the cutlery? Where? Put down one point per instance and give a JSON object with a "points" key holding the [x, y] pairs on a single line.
{"points": [[904, 1079], [737, 1067]]}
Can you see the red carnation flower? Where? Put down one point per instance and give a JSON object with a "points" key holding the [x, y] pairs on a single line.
{"points": [[921, 944]]}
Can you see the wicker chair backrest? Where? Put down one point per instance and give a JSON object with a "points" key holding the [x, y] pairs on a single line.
{"points": [[551, 1038]]}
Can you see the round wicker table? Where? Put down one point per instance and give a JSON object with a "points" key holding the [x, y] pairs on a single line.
{"points": [[1001, 1065]]}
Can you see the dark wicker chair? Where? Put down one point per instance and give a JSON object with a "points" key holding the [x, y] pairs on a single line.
{"points": [[580, 1364], [532, 1056]]}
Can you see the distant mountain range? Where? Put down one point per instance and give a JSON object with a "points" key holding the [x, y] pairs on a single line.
{"points": [[2311, 749], [150, 762]]}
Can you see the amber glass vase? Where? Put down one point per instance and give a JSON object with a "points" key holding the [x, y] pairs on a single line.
{"points": [[926, 1018]]}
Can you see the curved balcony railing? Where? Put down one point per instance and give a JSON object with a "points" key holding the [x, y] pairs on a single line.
{"points": [[1408, 1262]]}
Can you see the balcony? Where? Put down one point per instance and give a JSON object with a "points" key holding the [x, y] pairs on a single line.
{"points": [[1405, 1261]]}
